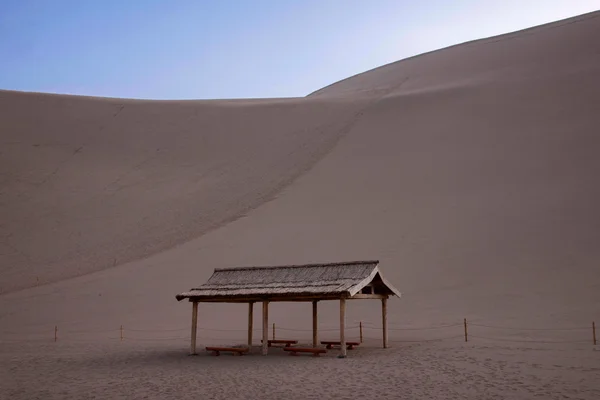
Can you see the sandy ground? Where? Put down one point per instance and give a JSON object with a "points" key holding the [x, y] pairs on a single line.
{"points": [[470, 172], [428, 370]]}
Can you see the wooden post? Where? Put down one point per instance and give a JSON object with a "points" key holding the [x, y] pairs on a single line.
{"points": [[361, 335], [315, 323], [55, 333], [273, 330], [121, 332], [265, 332], [594, 331], [194, 328], [466, 334], [342, 328], [384, 322], [250, 322]]}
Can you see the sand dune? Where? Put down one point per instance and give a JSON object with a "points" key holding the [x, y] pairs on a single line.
{"points": [[470, 172], [89, 184], [562, 47]]}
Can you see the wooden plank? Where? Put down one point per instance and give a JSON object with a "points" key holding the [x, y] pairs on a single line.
{"points": [[342, 328], [194, 328], [232, 349], [314, 350], [282, 341], [250, 322], [235, 350], [349, 345], [265, 332], [384, 322], [315, 323]]}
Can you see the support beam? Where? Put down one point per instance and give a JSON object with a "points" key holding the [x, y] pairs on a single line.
{"points": [[265, 332], [361, 296], [315, 323], [194, 327], [384, 322], [250, 323], [257, 299], [342, 328]]}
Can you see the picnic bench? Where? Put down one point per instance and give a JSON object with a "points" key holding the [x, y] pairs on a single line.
{"points": [[330, 344], [295, 350], [287, 343], [237, 351]]}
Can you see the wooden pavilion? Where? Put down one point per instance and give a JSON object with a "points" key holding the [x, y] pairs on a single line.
{"points": [[354, 280]]}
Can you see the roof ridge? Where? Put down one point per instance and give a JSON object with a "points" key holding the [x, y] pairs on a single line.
{"points": [[287, 284], [310, 265]]}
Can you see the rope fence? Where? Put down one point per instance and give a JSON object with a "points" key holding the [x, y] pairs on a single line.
{"points": [[459, 331]]}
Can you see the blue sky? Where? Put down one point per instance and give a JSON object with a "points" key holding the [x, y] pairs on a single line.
{"points": [[209, 49]]}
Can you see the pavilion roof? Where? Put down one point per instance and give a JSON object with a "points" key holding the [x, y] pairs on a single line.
{"points": [[291, 282]]}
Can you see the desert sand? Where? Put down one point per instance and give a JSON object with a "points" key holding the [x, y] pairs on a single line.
{"points": [[470, 172]]}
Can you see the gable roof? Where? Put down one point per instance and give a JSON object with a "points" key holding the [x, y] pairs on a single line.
{"points": [[293, 282]]}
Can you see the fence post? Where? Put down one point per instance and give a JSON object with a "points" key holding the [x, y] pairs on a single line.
{"points": [[55, 333], [466, 334], [121, 332], [273, 330], [594, 331], [361, 336]]}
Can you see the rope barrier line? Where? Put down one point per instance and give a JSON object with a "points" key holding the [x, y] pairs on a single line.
{"points": [[29, 335], [63, 334], [320, 330], [29, 340], [415, 329], [188, 328], [416, 341], [364, 326], [125, 328], [427, 340], [153, 339], [156, 330], [527, 329], [94, 331], [529, 341], [223, 330]]}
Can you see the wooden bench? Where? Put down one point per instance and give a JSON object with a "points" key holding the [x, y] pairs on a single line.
{"points": [[295, 350], [349, 345], [287, 343], [237, 351]]}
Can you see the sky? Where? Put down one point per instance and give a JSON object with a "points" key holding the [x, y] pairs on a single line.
{"points": [[225, 49]]}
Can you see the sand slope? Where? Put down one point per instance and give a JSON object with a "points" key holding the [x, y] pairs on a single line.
{"points": [[561, 47], [470, 172], [91, 183]]}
